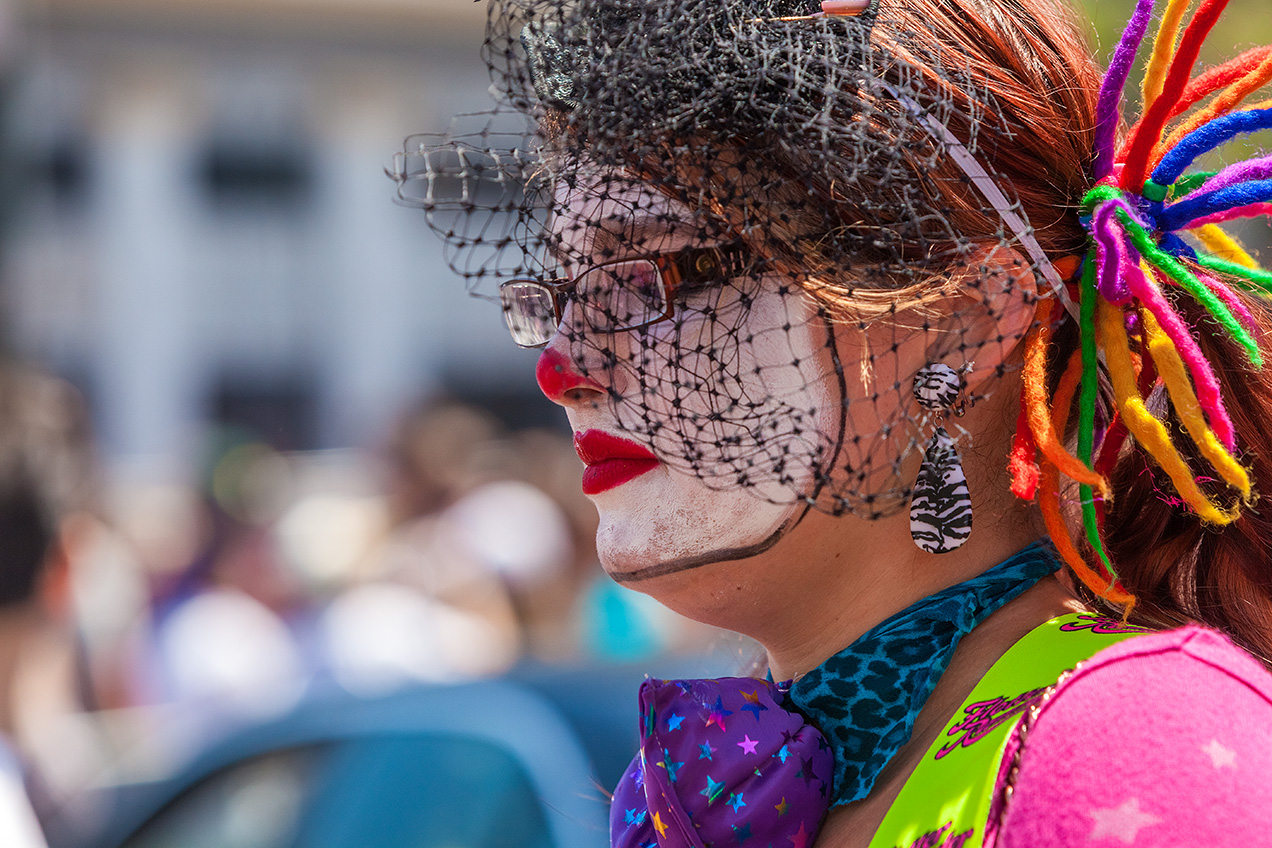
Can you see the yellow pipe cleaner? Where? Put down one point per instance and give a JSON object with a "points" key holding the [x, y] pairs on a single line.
{"points": [[1220, 244], [1151, 434], [1170, 367], [1163, 51]]}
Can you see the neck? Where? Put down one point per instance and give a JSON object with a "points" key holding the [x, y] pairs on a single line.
{"points": [[864, 572], [882, 578], [832, 578]]}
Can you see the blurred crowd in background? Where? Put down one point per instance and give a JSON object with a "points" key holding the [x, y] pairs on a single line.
{"points": [[133, 619], [284, 451]]}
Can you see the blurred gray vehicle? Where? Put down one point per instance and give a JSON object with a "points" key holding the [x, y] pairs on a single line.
{"points": [[521, 762]]}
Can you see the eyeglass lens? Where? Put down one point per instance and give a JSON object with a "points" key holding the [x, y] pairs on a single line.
{"points": [[530, 312], [622, 295], [615, 296]]}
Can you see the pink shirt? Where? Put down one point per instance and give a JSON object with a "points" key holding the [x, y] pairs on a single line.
{"points": [[1162, 741]]}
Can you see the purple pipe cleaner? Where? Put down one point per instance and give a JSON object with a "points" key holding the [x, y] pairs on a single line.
{"points": [[1114, 260], [1110, 105], [1253, 169]]}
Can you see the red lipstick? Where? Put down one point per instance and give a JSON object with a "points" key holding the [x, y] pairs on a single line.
{"points": [[610, 461]]}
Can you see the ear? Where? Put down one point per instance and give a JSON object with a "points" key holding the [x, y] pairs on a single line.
{"points": [[990, 309]]}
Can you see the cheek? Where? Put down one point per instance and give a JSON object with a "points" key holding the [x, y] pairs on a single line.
{"points": [[788, 380], [793, 365], [739, 396], [883, 423]]}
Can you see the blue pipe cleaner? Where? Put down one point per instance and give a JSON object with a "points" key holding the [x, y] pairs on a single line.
{"points": [[1178, 216], [1206, 138]]}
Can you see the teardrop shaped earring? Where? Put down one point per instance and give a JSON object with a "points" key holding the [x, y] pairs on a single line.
{"points": [[941, 506]]}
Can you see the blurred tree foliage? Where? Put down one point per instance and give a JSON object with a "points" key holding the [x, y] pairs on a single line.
{"points": [[1245, 24]]}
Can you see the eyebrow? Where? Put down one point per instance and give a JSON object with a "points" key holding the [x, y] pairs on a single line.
{"points": [[610, 243]]}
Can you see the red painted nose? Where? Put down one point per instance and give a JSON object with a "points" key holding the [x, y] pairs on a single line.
{"points": [[558, 377]]}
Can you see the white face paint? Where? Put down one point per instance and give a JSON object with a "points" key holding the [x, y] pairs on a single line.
{"points": [[736, 396]]}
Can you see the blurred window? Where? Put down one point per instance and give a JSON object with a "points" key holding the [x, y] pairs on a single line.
{"points": [[239, 173], [282, 411], [60, 172]]}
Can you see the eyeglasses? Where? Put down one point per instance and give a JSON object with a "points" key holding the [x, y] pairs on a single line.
{"points": [[626, 294]]}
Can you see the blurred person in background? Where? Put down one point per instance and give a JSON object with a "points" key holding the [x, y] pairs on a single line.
{"points": [[224, 641], [46, 495], [428, 601], [493, 523], [19, 827]]}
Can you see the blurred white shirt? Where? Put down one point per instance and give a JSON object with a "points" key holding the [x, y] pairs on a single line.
{"points": [[18, 825]]}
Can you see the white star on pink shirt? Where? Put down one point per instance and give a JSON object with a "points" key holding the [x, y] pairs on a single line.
{"points": [[1123, 823], [1220, 757]]}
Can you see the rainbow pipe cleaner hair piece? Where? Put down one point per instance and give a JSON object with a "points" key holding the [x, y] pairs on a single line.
{"points": [[1136, 265]]}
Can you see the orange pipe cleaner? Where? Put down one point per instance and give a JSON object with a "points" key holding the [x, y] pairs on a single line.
{"points": [[1034, 379], [1212, 80], [1049, 499]]}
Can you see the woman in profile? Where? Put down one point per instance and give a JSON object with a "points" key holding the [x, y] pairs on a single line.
{"points": [[889, 341]]}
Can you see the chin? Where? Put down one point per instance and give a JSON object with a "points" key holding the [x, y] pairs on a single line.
{"points": [[665, 536]]}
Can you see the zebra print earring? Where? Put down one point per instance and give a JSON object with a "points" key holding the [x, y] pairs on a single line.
{"points": [[941, 506]]}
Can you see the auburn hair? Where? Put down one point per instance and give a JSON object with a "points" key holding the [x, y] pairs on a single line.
{"points": [[1034, 60]]}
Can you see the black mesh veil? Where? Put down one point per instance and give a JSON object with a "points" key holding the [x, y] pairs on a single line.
{"points": [[843, 185]]}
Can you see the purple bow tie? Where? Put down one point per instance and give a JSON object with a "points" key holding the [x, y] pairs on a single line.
{"points": [[721, 762]]}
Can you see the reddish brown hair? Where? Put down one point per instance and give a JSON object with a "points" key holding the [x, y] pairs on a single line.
{"points": [[1037, 66]]}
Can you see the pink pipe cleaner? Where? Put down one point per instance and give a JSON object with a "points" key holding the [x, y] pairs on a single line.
{"points": [[1204, 380], [1253, 210], [1244, 315]]}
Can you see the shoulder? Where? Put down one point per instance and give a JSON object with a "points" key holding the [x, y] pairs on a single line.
{"points": [[1162, 739]]}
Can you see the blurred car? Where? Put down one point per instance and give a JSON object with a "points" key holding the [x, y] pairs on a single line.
{"points": [[525, 761]]}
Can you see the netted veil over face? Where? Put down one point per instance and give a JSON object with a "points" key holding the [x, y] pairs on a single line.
{"points": [[757, 224]]}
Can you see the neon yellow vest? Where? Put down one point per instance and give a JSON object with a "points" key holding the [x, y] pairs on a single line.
{"points": [[946, 801]]}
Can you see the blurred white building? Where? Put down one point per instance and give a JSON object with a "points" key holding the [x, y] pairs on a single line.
{"points": [[202, 229]]}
